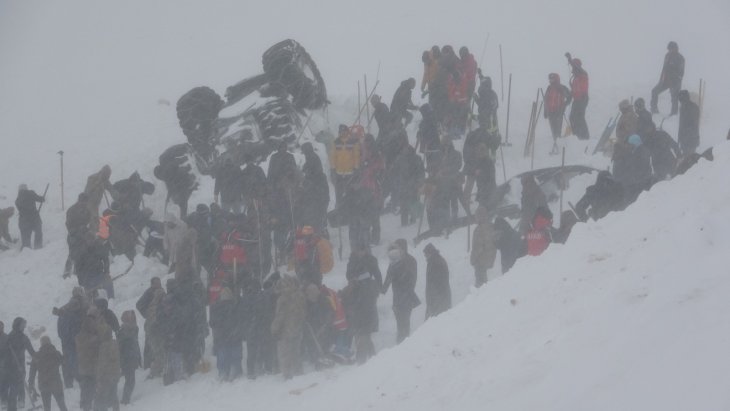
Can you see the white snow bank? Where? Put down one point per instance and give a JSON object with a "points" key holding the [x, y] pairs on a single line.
{"points": [[630, 314]]}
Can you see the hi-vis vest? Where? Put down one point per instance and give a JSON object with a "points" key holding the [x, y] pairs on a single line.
{"points": [[345, 157]]}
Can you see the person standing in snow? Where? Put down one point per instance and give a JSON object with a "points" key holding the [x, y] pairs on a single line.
{"points": [[689, 124], [130, 356], [78, 223], [408, 174], [484, 246], [402, 273], [557, 97], [70, 317], [382, 116], [344, 162], [29, 218], [45, 364], [579, 90], [149, 306], [287, 328], [364, 284], [253, 182], [227, 335], [438, 289], [87, 350], [108, 371], [487, 104], [228, 187], [532, 199], [314, 197], [403, 101], [671, 78], [18, 345]]}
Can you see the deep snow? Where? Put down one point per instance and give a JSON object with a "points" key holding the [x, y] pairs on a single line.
{"points": [[627, 315]]}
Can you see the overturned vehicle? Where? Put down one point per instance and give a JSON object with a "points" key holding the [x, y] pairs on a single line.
{"points": [[258, 113]]}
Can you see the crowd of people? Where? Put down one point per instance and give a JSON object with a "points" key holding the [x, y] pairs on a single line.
{"points": [[227, 259]]}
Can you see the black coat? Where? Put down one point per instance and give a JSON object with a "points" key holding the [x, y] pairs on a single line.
{"points": [[402, 99], [281, 166], [254, 182], [487, 102], [689, 126], [366, 281], [403, 275], [228, 182], [664, 153], [604, 196], [645, 126], [632, 167], [226, 323], [438, 289], [18, 344], [383, 118], [130, 355], [408, 174], [27, 210], [92, 265], [673, 69]]}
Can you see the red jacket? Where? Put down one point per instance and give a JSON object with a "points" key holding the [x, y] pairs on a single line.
{"points": [[469, 72], [538, 238], [579, 85]]}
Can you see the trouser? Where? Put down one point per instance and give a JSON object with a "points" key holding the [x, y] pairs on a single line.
{"points": [[228, 359], [673, 91], [578, 118], [364, 347], [129, 383], [403, 323], [288, 351], [28, 228], [556, 124], [260, 356], [88, 391], [58, 395], [16, 392], [480, 275], [406, 209], [341, 182], [174, 367], [3, 391], [69, 366]]}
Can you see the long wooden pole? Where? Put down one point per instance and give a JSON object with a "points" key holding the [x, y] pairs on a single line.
{"points": [[501, 70], [367, 103]]}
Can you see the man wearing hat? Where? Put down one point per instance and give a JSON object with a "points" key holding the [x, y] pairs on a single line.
{"points": [[29, 218]]}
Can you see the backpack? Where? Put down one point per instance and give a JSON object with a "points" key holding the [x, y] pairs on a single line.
{"points": [[232, 249], [326, 259]]}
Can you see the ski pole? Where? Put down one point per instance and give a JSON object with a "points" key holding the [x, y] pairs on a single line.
{"points": [[63, 205], [261, 252], [367, 106]]}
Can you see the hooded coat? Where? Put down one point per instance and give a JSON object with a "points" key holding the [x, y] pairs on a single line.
{"points": [[403, 274]]}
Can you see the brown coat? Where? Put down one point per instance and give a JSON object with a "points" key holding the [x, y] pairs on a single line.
{"points": [[108, 367], [87, 344], [47, 362]]}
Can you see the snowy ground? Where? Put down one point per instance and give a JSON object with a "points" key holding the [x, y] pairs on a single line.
{"points": [[627, 315]]}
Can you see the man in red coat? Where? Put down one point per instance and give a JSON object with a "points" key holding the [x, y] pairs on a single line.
{"points": [[579, 90]]}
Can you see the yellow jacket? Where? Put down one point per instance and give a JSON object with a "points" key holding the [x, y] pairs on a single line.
{"points": [[345, 155]]}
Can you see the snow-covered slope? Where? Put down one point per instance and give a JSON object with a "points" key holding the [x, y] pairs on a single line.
{"points": [[630, 314]]}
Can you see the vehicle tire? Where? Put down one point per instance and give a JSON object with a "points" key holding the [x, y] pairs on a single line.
{"points": [[288, 65], [197, 110]]}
